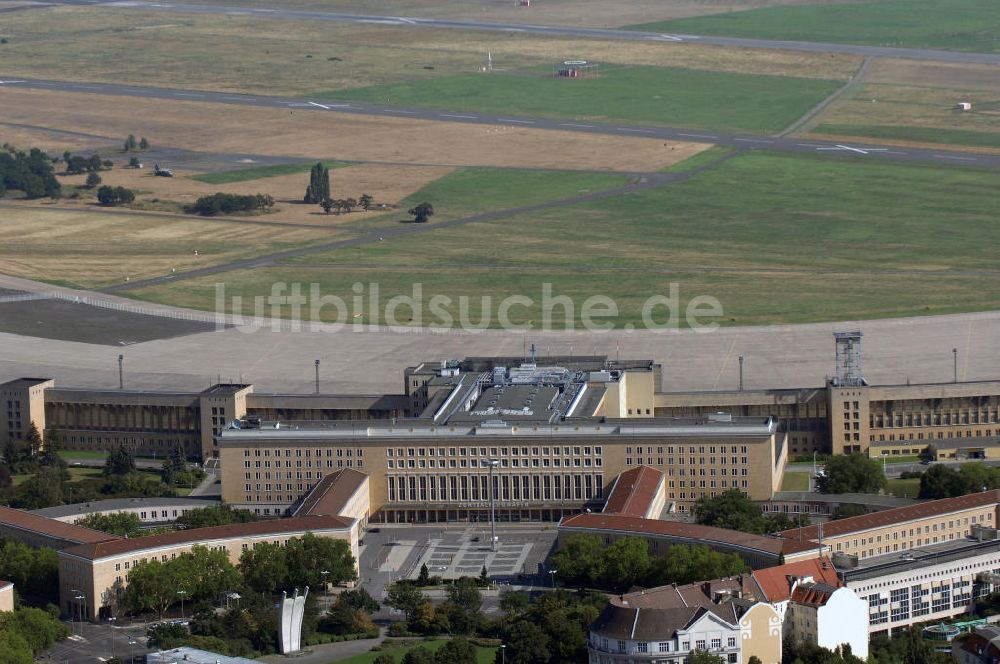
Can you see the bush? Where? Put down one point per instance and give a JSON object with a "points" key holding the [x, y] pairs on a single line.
{"points": [[115, 196]]}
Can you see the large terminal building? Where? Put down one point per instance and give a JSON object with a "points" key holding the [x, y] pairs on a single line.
{"points": [[552, 432]]}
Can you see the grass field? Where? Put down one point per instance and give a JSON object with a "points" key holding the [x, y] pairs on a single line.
{"points": [[79, 474], [269, 56], [259, 172], [800, 239], [915, 114], [795, 482], [960, 25], [94, 249], [908, 488], [483, 655], [654, 95]]}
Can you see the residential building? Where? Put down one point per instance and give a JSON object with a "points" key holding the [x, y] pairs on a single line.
{"points": [[666, 625], [981, 647]]}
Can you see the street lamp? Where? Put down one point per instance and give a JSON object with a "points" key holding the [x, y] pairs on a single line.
{"points": [[182, 593], [324, 573], [552, 575], [492, 463], [78, 597], [503, 654], [131, 650]]}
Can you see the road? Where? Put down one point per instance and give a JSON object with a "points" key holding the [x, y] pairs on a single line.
{"points": [[551, 31], [801, 146]]}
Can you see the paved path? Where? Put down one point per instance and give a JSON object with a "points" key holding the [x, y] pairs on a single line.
{"points": [[552, 31], [868, 150], [810, 115]]}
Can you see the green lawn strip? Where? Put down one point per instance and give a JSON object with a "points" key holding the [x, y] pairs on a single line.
{"points": [[653, 95], [916, 134], [960, 25], [258, 172], [77, 474], [483, 655], [795, 482], [908, 488]]}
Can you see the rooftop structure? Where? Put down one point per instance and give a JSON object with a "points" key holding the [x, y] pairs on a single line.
{"points": [[187, 655], [331, 495], [153, 507], [778, 584]]}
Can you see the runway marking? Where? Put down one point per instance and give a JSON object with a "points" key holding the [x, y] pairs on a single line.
{"points": [[639, 131], [409, 21], [516, 121], [396, 110], [848, 148], [452, 115], [753, 140], [698, 135], [10, 82], [948, 156], [570, 124], [325, 108]]}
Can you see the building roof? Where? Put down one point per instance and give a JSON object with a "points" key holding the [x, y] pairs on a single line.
{"points": [[895, 516], [67, 532], [813, 594], [867, 499], [634, 491], [118, 504], [94, 551], [776, 583], [984, 642], [658, 613], [194, 656], [6, 585], [330, 495], [694, 533]]}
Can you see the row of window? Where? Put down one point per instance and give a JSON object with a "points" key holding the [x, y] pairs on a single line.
{"points": [[410, 488], [586, 462], [494, 452]]}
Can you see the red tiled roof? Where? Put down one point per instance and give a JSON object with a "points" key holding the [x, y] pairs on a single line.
{"points": [[51, 528], [894, 516], [696, 534], [330, 494], [198, 535], [812, 595], [634, 492], [775, 582]]}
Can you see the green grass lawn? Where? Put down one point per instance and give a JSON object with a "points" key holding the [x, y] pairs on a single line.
{"points": [[652, 95], [483, 655], [258, 172], [78, 474], [908, 488], [960, 25], [775, 238], [795, 482], [914, 134]]}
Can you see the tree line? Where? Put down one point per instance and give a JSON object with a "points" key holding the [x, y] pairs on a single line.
{"points": [[940, 481], [28, 172], [732, 509], [221, 203]]}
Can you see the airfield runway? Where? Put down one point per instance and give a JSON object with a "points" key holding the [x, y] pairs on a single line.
{"points": [[748, 141], [277, 360], [552, 31]]}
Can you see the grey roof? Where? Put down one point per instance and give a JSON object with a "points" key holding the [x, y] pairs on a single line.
{"points": [[119, 504], [911, 559], [876, 500], [194, 656]]}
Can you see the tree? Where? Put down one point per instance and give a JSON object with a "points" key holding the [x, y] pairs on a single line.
{"points": [[349, 204], [852, 473], [263, 567], [404, 597], [527, 644], [123, 524], [33, 571], [93, 179], [456, 651], [319, 184], [847, 511], [133, 162], [580, 560], [327, 205], [130, 143], [484, 577], [143, 143], [627, 562], [152, 586], [114, 196], [463, 605], [33, 440], [943, 482], [384, 658], [419, 655], [421, 213], [754, 659], [731, 509], [513, 604], [703, 657], [365, 201], [174, 463], [28, 172], [424, 578], [120, 461], [218, 515]]}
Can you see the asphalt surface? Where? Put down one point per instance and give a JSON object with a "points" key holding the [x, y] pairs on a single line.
{"points": [[552, 31], [801, 146]]}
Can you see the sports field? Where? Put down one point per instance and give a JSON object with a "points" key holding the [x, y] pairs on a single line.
{"points": [[800, 239], [652, 95], [960, 25]]}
